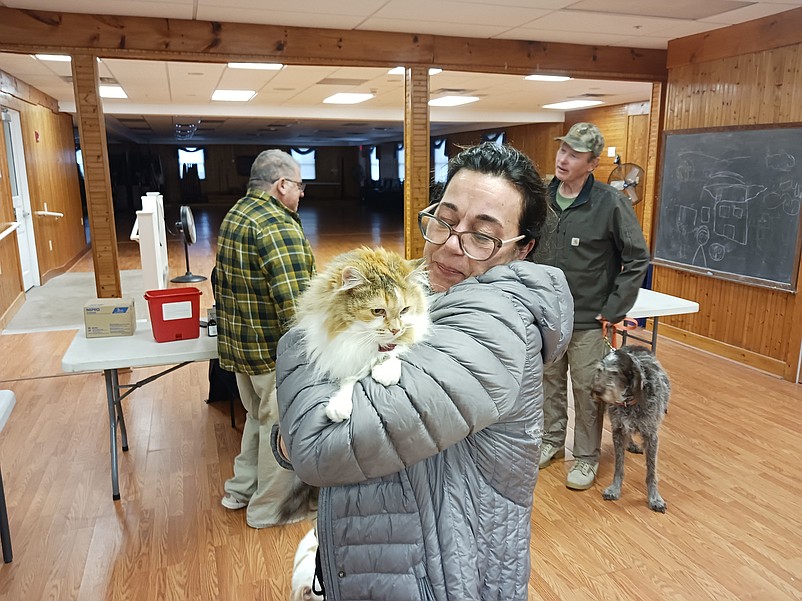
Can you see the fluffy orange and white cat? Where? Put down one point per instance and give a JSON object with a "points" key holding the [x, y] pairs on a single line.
{"points": [[359, 315]]}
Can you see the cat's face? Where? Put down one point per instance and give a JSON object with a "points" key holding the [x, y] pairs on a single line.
{"points": [[379, 299], [389, 316]]}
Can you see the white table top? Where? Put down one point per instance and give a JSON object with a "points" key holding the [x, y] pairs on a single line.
{"points": [[7, 402], [657, 304], [139, 350]]}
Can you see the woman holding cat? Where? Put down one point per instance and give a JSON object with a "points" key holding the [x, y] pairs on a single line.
{"points": [[426, 489]]}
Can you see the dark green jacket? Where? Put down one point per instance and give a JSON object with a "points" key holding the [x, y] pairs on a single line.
{"points": [[599, 245]]}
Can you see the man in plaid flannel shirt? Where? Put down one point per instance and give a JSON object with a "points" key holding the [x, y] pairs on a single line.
{"points": [[263, 263]]}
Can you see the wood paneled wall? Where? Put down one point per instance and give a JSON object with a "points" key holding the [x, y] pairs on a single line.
{"points": [[536, 140], [764, 86], [10, 273], [52, 180]]}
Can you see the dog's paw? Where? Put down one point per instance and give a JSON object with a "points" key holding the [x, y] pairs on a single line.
{"points": [[634, 447], [657, 504], [387, 372], [612, 493]]}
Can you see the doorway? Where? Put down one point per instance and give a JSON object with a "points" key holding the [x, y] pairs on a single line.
{"points": [[20, 197]]}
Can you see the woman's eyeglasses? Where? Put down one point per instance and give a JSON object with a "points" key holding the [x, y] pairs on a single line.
{"points": [[475, 245]]}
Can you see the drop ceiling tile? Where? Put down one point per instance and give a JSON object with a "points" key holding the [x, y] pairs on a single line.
{"points": [[595, 38], [314, 9], [457, 12], [174, 9], [675, 9], [540, 4], [756, 11], [581, 23], [237, 14], [432, 28]]}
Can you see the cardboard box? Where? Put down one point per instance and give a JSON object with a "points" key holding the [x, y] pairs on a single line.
{"points": [[106, 317]]}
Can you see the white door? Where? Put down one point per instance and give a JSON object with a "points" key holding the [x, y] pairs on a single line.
{"points": [[20, 197]]}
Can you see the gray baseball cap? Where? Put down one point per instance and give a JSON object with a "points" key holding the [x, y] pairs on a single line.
{"points": [[584, 137]]}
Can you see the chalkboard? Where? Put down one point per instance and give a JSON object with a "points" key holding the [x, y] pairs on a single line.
{"points": [[729, 203]]}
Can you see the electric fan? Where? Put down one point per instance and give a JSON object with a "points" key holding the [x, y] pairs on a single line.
{"points": [[187, 227], [626, 178]]}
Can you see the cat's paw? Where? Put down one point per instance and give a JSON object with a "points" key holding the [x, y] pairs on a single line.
{"points": [[388, 372], [339, 406]]}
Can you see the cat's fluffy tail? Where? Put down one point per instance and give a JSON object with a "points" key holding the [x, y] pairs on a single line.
{"points": [[300, 502]]}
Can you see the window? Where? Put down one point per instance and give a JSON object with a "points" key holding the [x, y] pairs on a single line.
{"points": [[498, 137], [187, 157], [399, 154], [440, 160], [374, 164], [306, 159], [79, 158]]}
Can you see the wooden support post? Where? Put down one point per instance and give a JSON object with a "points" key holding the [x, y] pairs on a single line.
{"points": [[92, 130], [656, 114], [417, 153]]}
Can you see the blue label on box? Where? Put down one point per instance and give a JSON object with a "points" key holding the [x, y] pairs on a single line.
{"points": [[120, 310]]}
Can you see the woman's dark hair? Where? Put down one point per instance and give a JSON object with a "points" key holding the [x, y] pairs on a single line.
{"points": [[514, 166]]}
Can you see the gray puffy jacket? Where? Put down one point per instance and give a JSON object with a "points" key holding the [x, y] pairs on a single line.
{"points": [[427, 488]]}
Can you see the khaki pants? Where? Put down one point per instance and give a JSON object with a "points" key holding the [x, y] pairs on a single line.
{"points": [[258, 478], [584, 353]]}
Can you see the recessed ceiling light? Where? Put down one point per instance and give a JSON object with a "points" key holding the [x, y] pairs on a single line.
{"points": [[112, 92], [547, 77], [233, 95], [60, 58], [452, 100], [402, 70], [347, 98], [572, 104], [259, 66]]}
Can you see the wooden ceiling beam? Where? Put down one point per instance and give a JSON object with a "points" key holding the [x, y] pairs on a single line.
{"points": [[30, 31]]}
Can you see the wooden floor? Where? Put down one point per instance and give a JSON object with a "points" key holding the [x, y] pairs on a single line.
{"points": [[730, 467]]}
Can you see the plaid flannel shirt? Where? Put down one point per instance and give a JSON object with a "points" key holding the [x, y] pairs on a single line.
{"points": [[263, 263]]}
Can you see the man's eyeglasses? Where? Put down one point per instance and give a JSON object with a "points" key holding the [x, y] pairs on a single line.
{"points": [[475, 245], [301, 185]]}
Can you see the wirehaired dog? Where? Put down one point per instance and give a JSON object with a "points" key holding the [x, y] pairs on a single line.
{"points": [[635, 388]]}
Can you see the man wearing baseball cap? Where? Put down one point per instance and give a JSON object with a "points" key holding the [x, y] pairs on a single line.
{"points": [[599, 245]]}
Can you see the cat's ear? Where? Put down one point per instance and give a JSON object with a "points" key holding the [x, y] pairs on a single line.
{"points": [[419, 274], [352, 278]]}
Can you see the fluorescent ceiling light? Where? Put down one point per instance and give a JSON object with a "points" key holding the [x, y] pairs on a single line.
{"points": [[260, 66], [59, 58], [347, 98], [572, 104], [452, 100], [233, 95], [401, 71], [547, 77], [112, 92]]}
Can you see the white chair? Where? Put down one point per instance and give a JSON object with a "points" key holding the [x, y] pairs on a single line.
{"points": [[7, 402]]}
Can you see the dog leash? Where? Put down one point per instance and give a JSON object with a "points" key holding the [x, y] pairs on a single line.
{"points": [[609, 330]]}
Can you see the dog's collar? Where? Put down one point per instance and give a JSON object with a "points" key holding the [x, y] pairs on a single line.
{"points": [[627, 402]]}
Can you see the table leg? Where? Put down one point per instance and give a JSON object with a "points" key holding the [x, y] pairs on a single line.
{"points": [[654, 334], [112, 393], [5, 534], [120, 415]]}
